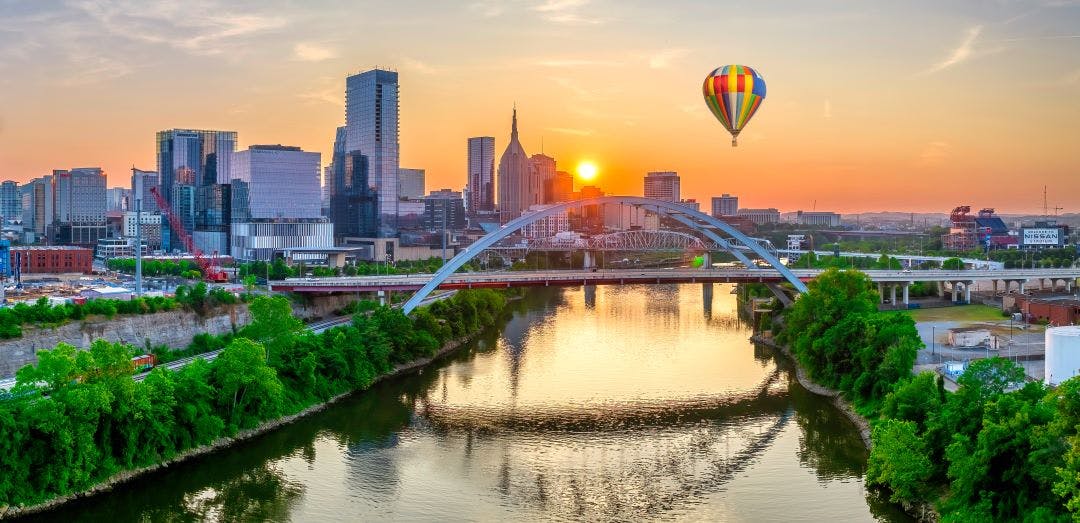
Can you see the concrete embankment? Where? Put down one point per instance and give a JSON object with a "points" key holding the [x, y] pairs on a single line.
{"points": [[222, 443]]}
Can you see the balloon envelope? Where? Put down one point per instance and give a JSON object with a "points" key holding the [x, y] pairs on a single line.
{"points": [[734, 93]]}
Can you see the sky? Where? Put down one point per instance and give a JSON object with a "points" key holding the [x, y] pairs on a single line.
{"points": [[911, 106]]}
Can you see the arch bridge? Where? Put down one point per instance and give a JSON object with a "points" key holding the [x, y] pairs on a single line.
{"points": [[722, 236]]}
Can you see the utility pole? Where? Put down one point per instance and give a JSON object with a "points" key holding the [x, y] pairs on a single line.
{"points": [[138, 231]]}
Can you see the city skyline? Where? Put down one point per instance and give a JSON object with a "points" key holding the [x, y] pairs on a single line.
{"points": [[616, 89]]}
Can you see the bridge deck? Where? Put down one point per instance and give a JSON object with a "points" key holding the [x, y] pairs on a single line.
{"points": [[471, 280]]}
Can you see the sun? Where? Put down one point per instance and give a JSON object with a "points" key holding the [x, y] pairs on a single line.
{"points": [[587, 171]]}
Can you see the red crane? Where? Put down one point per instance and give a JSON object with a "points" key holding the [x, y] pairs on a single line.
{"points": [[210, 272]]}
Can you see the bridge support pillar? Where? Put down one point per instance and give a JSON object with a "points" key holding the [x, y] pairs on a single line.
{"points": [[892, 294], [1021, 283], [707, 295], [881, 293], [1068, 286], [995, 286], [940, 289], [590, 296], [955, 291], [590, 260], [967, 291], [907, 292], [706, 260]]}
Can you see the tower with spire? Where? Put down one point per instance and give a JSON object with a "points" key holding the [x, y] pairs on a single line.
{"points": [[513, 177]]}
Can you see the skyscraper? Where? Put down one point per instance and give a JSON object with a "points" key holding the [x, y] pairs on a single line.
{"points": [[481, 175], [562, 188], [78, 206], [411, 184], [725, 205], [276, 202], [10, 201], [141, 183], [191, 158], [513, 177], [662, 185], [541, 175], [371, 128]]}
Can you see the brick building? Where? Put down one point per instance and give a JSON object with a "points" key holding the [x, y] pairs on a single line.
{"points": [[54, 259], [1055, 312]]}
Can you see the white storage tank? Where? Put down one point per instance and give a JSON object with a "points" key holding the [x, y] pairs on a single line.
{"points": [[1062, 353]]}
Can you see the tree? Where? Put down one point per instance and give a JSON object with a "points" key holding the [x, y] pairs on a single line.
{"points": [[272, 323], [953, 264], [250, 281], [248, 389], [899, 461]]}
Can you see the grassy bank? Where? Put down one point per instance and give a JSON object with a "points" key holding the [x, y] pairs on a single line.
{"points": [[76, 420]]}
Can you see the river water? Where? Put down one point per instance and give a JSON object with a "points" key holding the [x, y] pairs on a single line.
{"points": [[621, 404]]}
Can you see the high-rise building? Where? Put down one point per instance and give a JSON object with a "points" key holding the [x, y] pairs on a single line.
{"points": [[78, 207], [10, 201], [411, 184], [662, 185], [190, 158], [117, 199], [725, 205], [513, 184], [37, 208], [444, 210], [541, 176], [282, 182], [562, 188], [354, 205], [276, 202], [141, 183], [371, 128], [481, 181]]}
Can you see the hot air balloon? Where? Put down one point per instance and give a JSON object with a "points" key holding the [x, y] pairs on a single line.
{"points": [[733, 94]]}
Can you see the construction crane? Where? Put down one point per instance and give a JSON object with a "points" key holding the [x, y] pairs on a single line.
{"points": [[210, 272]]}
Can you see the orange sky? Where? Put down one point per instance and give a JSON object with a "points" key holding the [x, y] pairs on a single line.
{"points": [[871, 106]]}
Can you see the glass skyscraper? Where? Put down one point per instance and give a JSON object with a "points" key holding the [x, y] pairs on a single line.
{"points": [[195, 158], [371, 128], [481, 181]]}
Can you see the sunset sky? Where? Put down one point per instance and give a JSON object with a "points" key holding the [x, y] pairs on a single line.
{"points": [[871, 105]]}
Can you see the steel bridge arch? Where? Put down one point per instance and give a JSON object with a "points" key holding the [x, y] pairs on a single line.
{"points": [[692, 218]]}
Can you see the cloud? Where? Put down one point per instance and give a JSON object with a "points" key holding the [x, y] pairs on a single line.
{"points": [[662, 59], [197, 26], [935, 153], [571, 131], [309, 52], [418, 66], [576, 62], [329, 90], [488, 8], [827, 111], [961, 53], [564, 12]]}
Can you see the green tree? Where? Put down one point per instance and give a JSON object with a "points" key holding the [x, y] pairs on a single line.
{"points": [[272, 324], [248, 388], [899, 461], [953, 264]]}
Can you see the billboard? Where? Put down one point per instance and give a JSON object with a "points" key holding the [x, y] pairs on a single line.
{"points": [[1042, 236]]}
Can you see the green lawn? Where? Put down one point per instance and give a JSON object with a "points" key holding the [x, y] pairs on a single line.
{"points": [[959, 313]]}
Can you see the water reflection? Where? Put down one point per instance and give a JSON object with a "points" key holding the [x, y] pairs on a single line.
{"points": [[634, 406]]}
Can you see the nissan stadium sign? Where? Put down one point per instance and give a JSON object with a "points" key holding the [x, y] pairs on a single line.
{"points": [[1042, 236]]}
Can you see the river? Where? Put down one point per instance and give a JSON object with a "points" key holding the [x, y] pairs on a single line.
{"points": [[626, 404]]}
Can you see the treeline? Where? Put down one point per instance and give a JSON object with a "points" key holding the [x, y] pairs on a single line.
{"points": [[77, 417], [998, 449], [151, 267], [198, 298]]}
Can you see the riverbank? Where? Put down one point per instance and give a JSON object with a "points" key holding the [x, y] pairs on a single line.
{"points": [[123, 477], [921, 512], [860, 422]]}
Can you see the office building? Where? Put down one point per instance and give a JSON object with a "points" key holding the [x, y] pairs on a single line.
{"points": [[545, 227], [725, 205], [513, 182], [481, 175], [78, 207], [444, 210], [151, 228], [411, 184], [561, 188], [276, 202], [691, 204], [117, 199], [191, 158], [760, 216], [541, 177], [141, 183], [354, 205], [371, 128], [662, 185], [282, 182], [37, 208], [10, 202], [821, 218]]}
